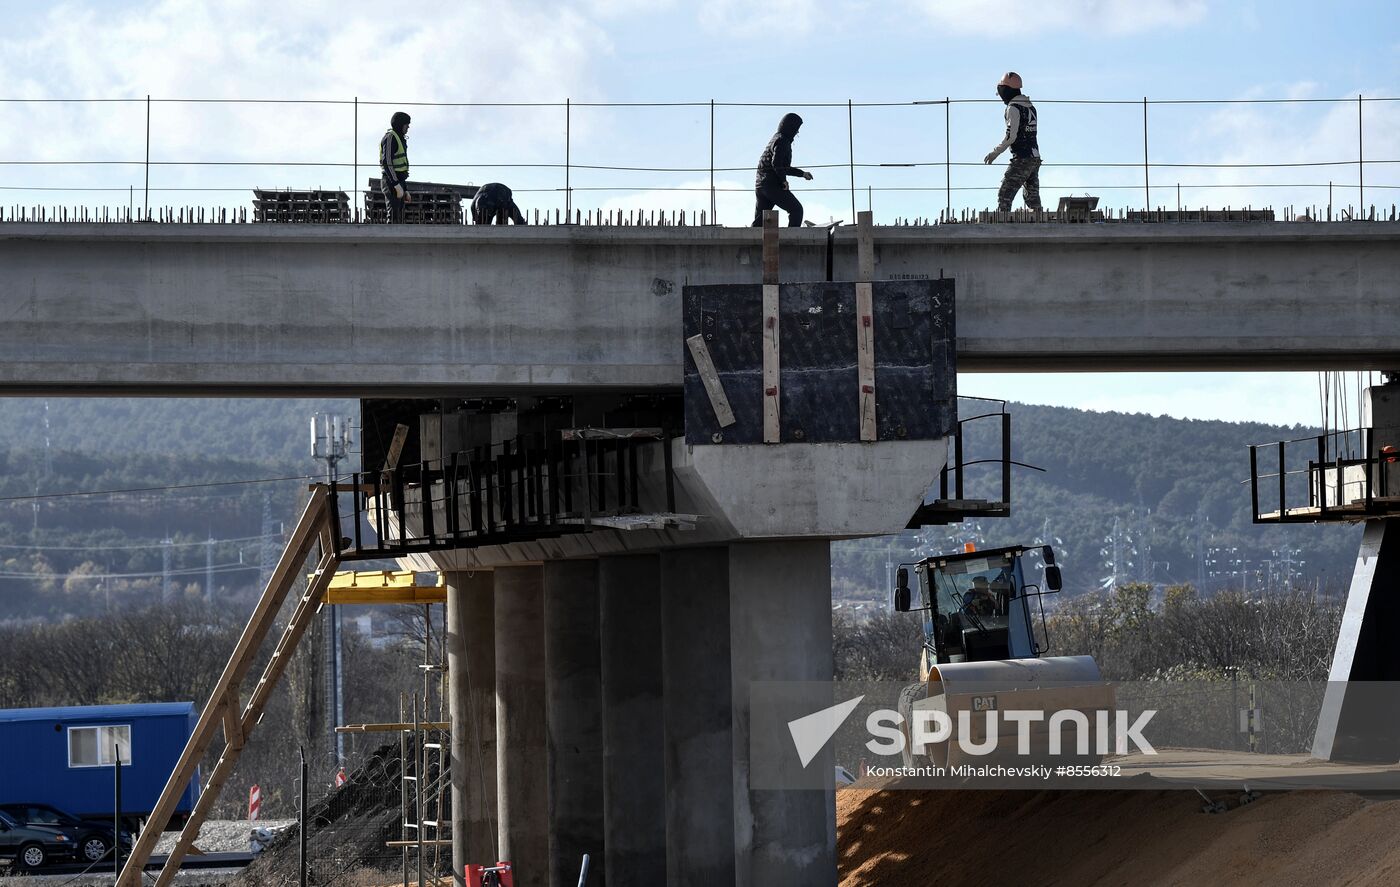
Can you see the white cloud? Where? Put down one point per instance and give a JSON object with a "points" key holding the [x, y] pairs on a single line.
{"points": [[1115, 17], [1274, 133], [740, 18], [314, 49]]}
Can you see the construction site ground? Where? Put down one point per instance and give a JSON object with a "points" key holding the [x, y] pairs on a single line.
{"points": [[1309, 822]]}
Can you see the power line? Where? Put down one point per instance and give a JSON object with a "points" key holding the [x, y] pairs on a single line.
{"points": [[138, 546], [219, 483], [682, 104], [191, 571]]}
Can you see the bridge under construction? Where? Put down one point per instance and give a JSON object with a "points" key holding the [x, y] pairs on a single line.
{"points": [[627, 450]]}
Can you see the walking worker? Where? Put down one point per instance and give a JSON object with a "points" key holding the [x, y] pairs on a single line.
{"points": [[1024, 169], [774, 166], [393, 165], [495, 205]]}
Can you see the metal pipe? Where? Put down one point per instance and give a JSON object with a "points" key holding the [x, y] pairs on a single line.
{"points": [[568, 139], [117, 810], [148, 156], [948, 153], [1254, 481], [714, 214], [418, 783], [851, 139], [301, 821], [355, 176], [1360, 158], [1146, 183]]}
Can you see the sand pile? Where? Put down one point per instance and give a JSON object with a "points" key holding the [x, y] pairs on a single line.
{"points": [[1081, 838]]}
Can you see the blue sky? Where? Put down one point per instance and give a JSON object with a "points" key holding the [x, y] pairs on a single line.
{"points": [[779, 51]]}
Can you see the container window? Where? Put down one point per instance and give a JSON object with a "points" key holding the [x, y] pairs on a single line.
{"points": [[99, 746]]}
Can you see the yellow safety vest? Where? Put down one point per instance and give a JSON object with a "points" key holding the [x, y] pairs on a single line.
{"points": [[400, 154]]}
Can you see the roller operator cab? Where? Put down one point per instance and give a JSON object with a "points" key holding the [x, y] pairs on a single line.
{"points": [[984, 637], [977, 605]]}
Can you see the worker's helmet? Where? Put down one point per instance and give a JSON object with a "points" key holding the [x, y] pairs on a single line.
{"points": [[1011, 79]]}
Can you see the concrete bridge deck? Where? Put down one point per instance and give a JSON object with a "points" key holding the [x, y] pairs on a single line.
{"points": [[284, 309]]}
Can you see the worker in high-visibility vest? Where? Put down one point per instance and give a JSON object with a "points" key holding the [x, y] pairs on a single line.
{"points": [[393, 165]]}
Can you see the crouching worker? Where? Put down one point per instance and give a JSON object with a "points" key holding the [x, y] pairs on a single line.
{"points": [[494, 205]]}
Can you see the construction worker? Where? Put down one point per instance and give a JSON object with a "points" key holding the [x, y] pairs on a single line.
{"points": [[774, 167], [979, 600], [495, 205], [1024, 169], [393, 165]]}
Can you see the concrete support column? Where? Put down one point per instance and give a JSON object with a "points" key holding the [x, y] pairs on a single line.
{"points": [[780, 630], [574, 696], [522, 794], [634, 763], [471, 674], [698, 705]]}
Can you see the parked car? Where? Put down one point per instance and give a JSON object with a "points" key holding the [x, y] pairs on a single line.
{"points": [[32, 846], [94, 835]]}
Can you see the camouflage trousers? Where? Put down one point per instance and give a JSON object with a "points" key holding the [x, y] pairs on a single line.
{"points": [[1022, 172]]}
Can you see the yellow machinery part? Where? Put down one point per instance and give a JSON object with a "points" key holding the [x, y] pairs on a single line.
{"points": [[385, 587]]}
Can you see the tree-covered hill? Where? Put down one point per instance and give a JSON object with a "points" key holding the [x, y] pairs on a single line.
{"points": [[1174, 490]]}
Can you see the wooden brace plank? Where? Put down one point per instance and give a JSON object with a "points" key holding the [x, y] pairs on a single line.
{"points": [[391, 459], [772, 369], [240, 662], [709, 376], [865, 246], [770, 246], [404, 727], [233, 726], [865, 357], [262, 691]]}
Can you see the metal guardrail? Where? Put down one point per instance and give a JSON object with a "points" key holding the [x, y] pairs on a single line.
{"points": [[873, 170], [1335, 476], [534, 486], [951, 505]]}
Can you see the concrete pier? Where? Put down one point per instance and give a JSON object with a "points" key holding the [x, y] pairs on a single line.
{"points": [[698, 717], [633, 733], [471, 667], [574, 697], [521, 740], [780, 630]]}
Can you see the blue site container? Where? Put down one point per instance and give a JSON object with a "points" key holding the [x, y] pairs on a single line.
{"points": [[64, 756]]}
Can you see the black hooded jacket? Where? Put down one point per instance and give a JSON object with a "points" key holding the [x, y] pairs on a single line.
{"points": [[387, 146], [775, 163]]}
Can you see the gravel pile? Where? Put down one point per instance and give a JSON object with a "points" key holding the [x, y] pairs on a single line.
{"points": [[348, 833], [221, 835]]}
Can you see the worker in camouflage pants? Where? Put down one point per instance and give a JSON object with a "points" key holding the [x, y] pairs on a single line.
{"points": [[1024, 170]]}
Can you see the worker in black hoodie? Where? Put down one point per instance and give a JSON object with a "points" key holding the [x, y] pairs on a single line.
{"points": [[494, 204], [393, 165], [774, 167]]}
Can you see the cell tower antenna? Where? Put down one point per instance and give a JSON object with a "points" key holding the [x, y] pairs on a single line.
{"points": [[331, 442]]}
